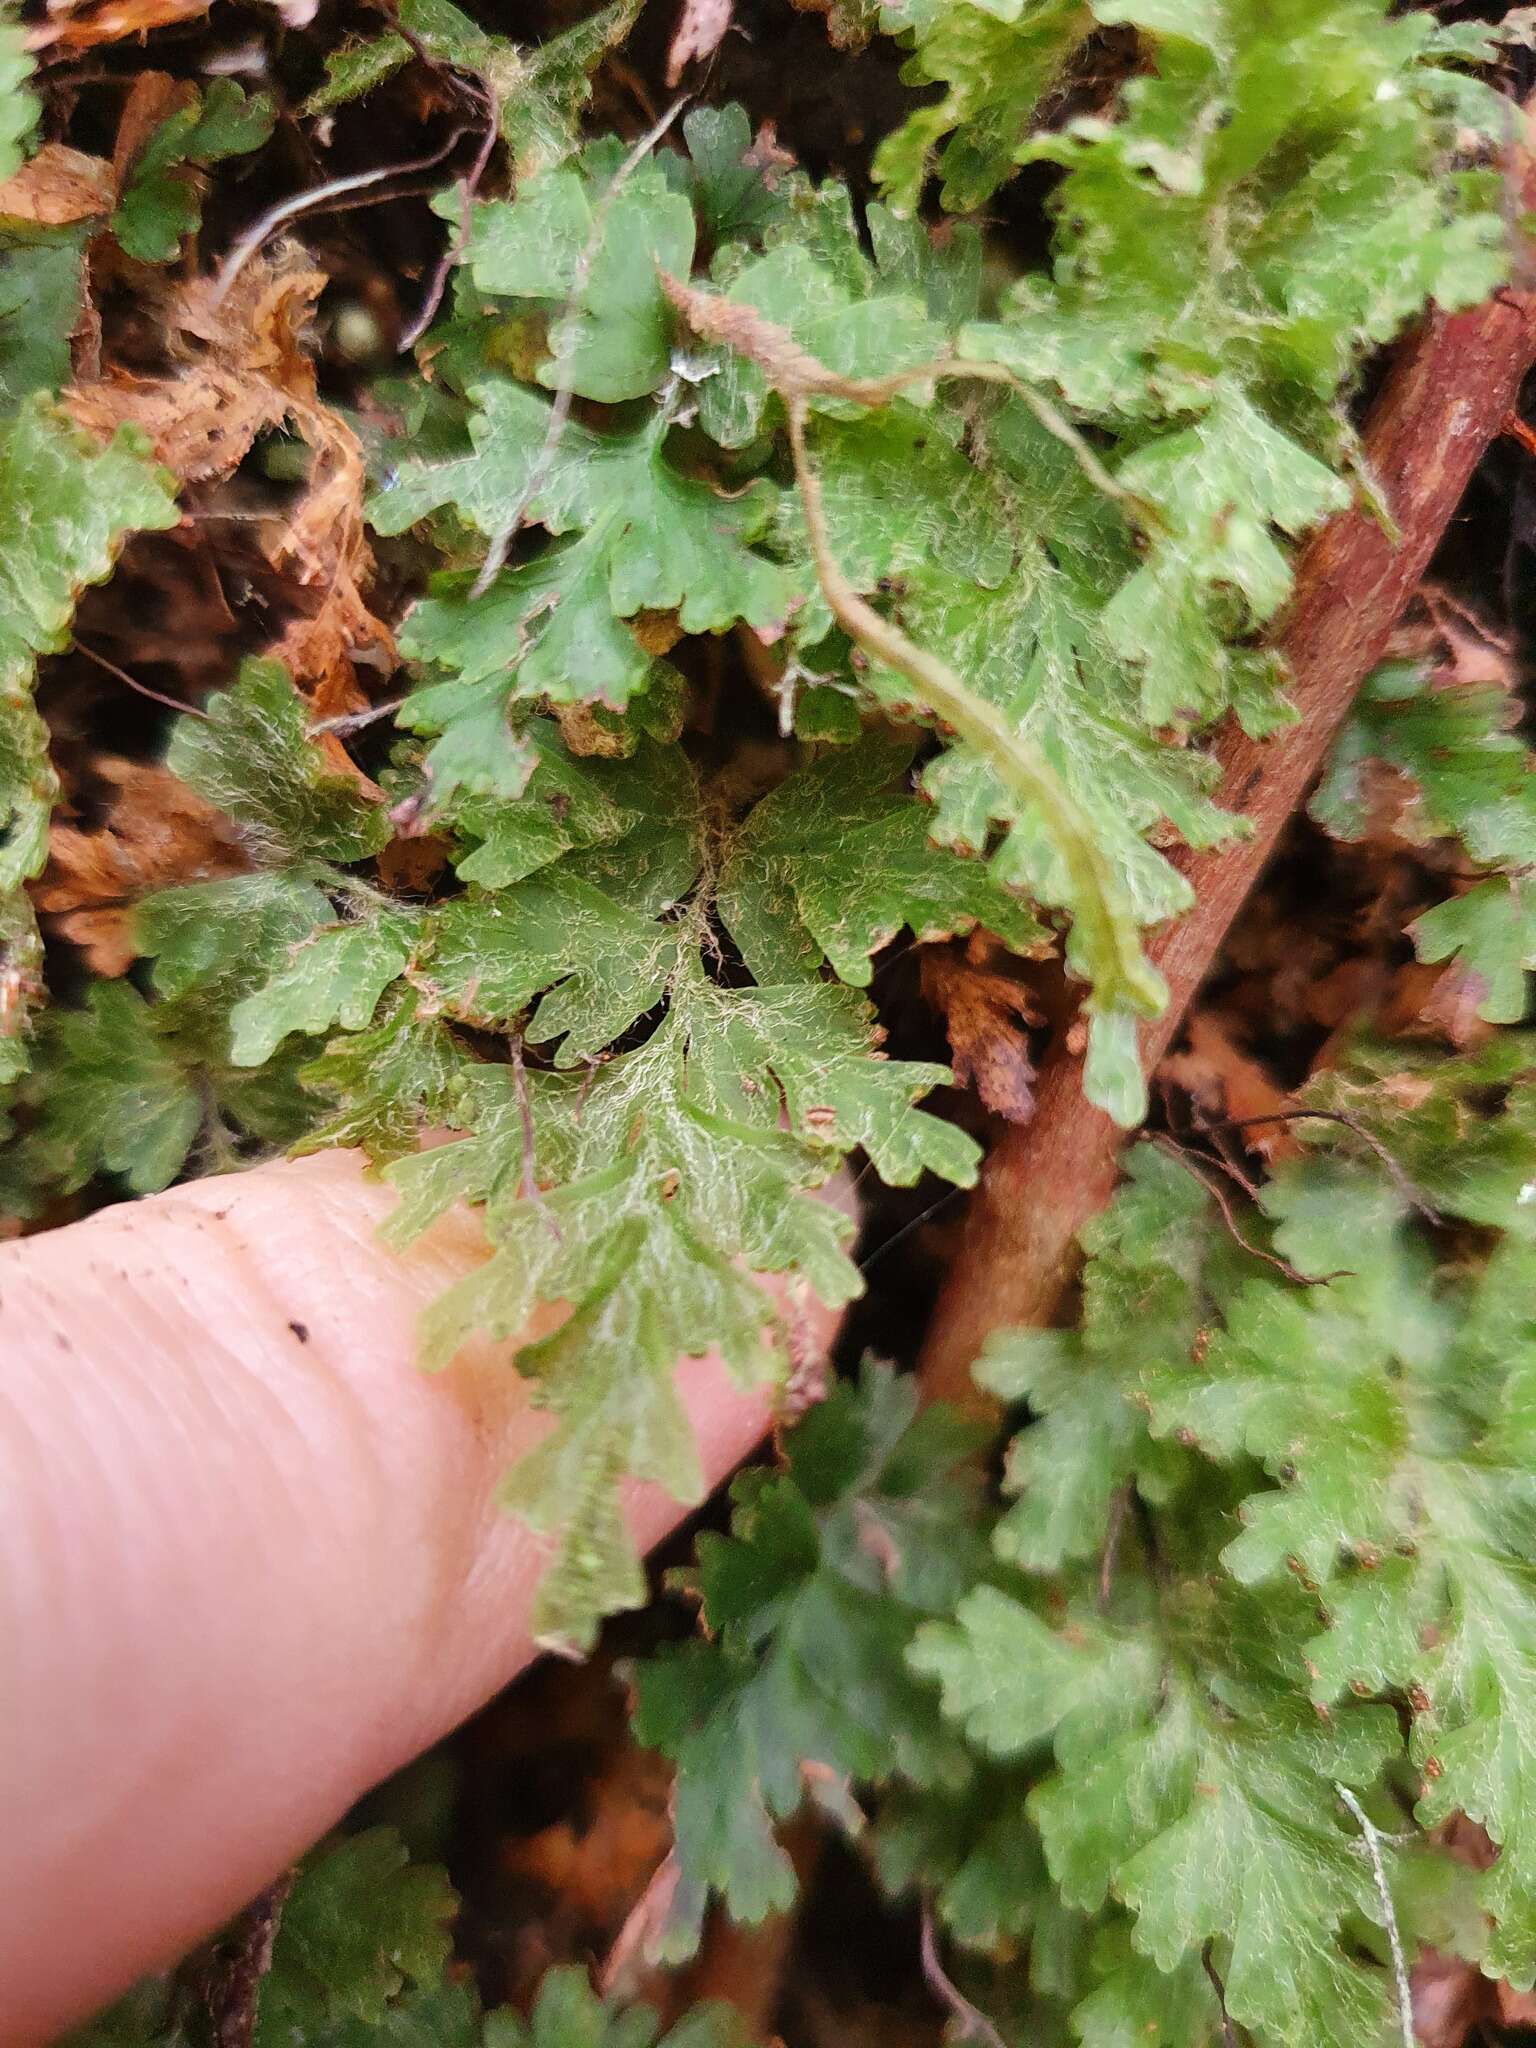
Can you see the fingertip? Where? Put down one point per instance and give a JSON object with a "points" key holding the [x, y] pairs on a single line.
{"points": [[255, 1560]]}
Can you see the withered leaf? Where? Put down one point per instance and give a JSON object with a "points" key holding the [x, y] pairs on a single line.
{"points": [[56, 188], [245, 372], [152, 98], [984, 1015], [155, 834], [86, 24], [700, 27], [1228, 1082]]}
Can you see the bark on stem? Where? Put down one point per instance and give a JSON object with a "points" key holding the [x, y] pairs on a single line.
{"points": [[1445, 399]]}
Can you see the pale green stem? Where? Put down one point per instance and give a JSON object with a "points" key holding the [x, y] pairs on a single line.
{"points": [[874, 391], [1016, 762]]}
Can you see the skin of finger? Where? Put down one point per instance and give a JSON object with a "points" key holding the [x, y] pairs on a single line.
{"points": [[250, 1556]]}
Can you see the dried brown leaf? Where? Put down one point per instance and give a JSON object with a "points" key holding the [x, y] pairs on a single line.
{"points": [[584, 732], [1470, 650], [56, 188], [564, 1874], [768, 154], [1435, 1002], [246, 371], [599, 1864], [201, 423], [1450, 1998], [410, 865], [86, 24], [1225, 1081], [657, 632], [154, 834], [984, 1015], [700, 27], [152, 98], [850, 23], [240, 383], [1351, 992]]}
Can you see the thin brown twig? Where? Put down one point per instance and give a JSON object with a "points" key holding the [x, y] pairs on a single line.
{"points": [[971, 2023], [417, 188], [1228, 2031], [1219, 1132], [592, 1065], [1405, 1187], [311, 201], [469, 186], [1187, 1159], [1119, 1508], [357, 721], [1445, 399], [143, 689], [1197, 1124]]}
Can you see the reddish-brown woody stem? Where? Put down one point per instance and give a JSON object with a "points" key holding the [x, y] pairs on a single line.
{"points": [[1447, 397]]}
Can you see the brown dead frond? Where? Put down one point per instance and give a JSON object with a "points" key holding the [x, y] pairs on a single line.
{"points": [[57, 188], [243, 370], [74, 25], [154, 834], [985, 1015]]}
